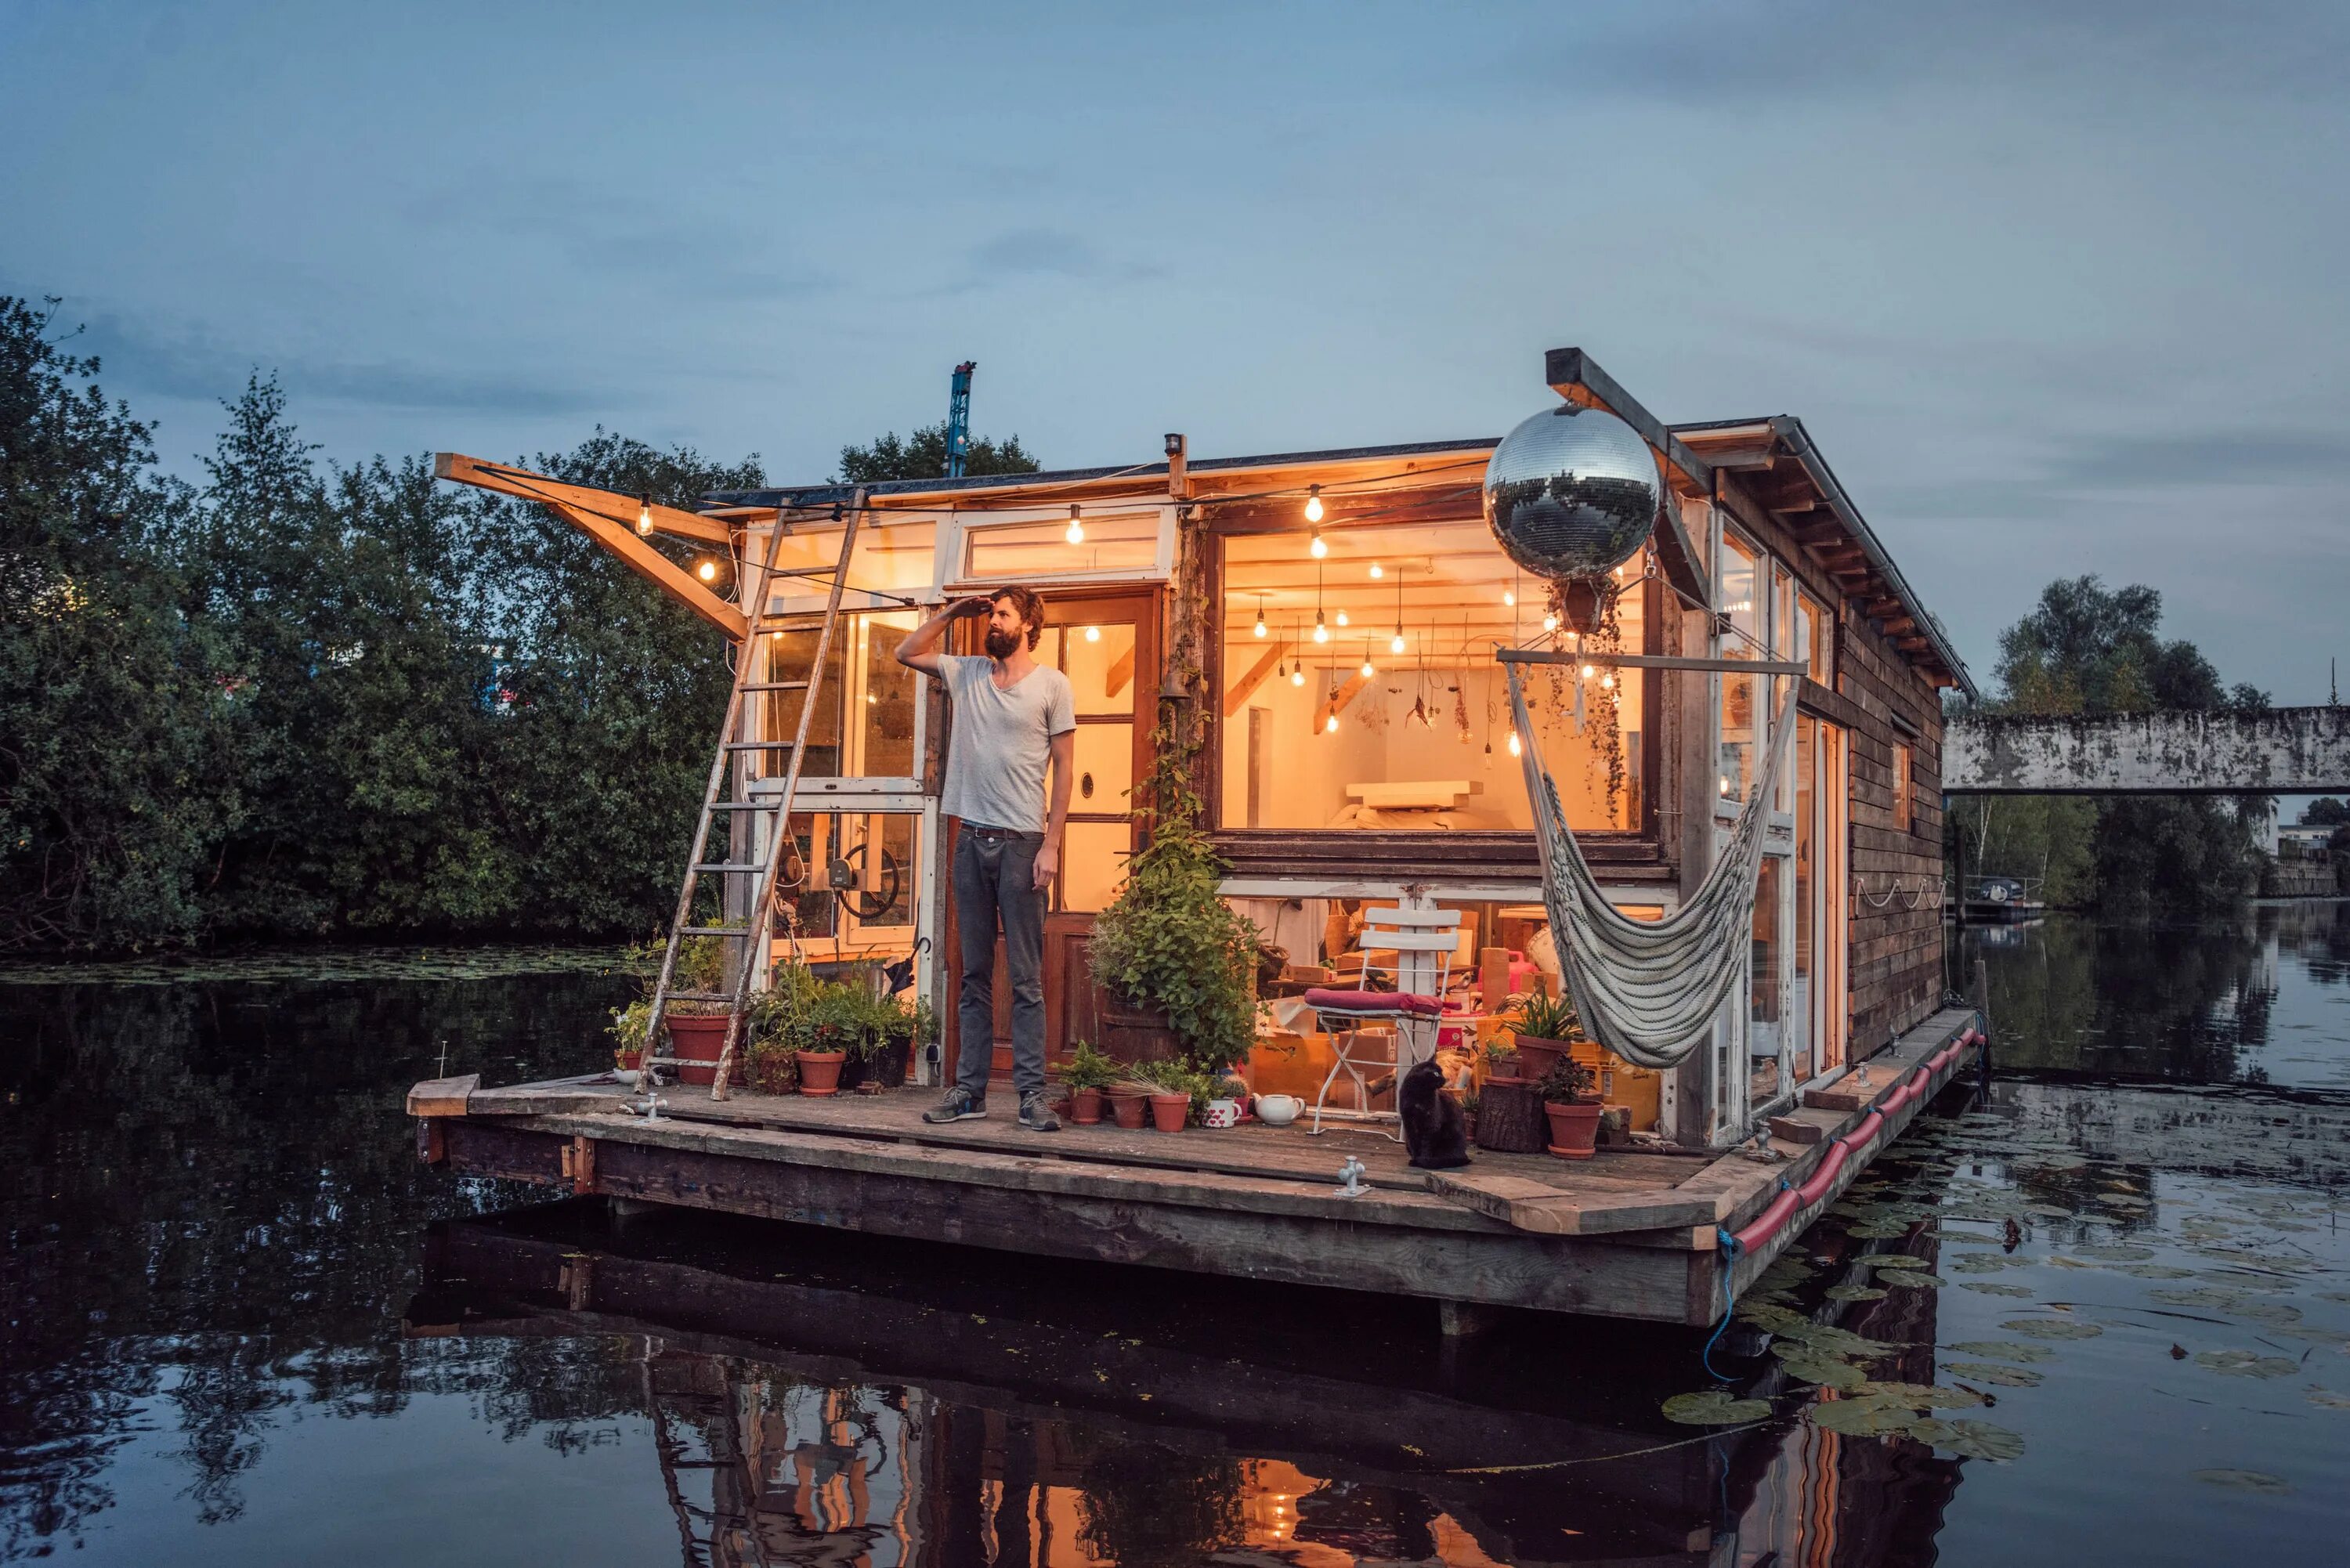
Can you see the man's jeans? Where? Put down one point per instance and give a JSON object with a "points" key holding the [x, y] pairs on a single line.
{"points": [[996, 878]]}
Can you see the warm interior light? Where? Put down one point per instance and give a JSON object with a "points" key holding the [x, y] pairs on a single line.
{"points": [[1317, 549], [1076, 530], [706, 569], [1509, 598], [1549, 623], [1377, 570], [1515, 749], [1297, 676], [1342, 618], [1369, 669], [1395, 643], [1589, 670], [1607, 682], [1330, 724], [1321, 632], [1093, 634], [1260, 621], [1313, 510], [645, 517]]}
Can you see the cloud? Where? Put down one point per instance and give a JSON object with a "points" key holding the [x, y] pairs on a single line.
{"points": [[192, 363]]}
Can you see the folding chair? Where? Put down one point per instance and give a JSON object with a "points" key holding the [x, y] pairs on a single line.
{"points": [[1424, 941]]}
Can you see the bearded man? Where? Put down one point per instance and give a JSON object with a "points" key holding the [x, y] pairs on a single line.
{"points": [[1012, 715]]}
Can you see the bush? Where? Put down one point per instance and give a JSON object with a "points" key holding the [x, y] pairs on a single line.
{"points": [[1567, 1083], [1089, 1068]]}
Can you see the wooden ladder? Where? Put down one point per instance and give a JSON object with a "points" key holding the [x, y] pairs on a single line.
{"points": [[774, 811]]}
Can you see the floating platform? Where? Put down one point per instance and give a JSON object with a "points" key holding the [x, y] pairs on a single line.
{"points": [[1629, 1235]]}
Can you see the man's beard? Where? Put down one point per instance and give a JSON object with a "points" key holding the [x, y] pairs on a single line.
{"points": [[1001, 644]]}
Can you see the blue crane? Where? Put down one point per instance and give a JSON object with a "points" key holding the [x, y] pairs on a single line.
{"points": [[958, 419]]}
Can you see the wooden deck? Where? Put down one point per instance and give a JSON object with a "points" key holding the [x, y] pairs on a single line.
{"points": [[1626, 1235]]}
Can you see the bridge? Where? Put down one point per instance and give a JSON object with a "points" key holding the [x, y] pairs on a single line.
{"points": [[2276, 751]]}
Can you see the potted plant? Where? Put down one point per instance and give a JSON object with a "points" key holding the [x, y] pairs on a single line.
{"points": [[1173, 1085], [1545, 1028], [1087, 1073], [1129, 1099], [777, 1028], [630, 1025], [1501, 1062], [1572, 1109], [1176, 967], [835, 1022], [697, 1029]]}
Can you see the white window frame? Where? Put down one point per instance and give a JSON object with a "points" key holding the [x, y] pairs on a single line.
{"points": [[955, 531]]}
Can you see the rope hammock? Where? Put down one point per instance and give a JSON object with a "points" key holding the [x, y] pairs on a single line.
{"points": [[1649, 990]]}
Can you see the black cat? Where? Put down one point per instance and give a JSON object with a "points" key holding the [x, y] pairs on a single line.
{"points": [[1435, 1132]]}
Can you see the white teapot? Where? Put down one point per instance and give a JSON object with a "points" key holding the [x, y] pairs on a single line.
{"points": [[1277, 1110]]}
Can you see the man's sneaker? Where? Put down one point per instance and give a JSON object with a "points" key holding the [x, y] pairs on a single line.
{"points": [[958, 1105], [1036, 1113]]}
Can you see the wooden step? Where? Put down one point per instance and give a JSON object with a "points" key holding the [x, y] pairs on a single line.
{"points": [[744, 866], [775, 686]]}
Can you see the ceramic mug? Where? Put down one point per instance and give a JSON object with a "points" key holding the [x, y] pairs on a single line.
{"points": [[1222, 1114]]}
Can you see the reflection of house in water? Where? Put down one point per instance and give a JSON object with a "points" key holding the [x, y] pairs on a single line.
{"points": [[994, 1420]]}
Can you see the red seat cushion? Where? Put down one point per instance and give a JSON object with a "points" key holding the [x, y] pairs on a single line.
{"points": [[1374, 1002]]}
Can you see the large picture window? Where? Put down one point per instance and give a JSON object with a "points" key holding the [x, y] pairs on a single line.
{"points": [[1360, 689]]}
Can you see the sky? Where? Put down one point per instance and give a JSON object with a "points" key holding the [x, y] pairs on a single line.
{"points": [[2056, 288]]}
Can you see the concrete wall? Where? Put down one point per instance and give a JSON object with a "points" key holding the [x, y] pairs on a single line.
{"points": [[2283, 751]]}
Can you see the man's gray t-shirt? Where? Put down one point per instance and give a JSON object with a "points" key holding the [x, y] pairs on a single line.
{"points": [[995, 762]]}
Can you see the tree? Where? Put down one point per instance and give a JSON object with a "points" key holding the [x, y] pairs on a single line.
{"points": [[924, 456], [2087, 649], [2325, 812]]}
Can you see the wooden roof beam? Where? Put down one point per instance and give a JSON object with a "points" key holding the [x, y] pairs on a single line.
{"points": [[1571, 375], [598, 514]]}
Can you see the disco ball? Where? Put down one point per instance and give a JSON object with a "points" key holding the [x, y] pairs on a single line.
{"points": [[1572, 493]]}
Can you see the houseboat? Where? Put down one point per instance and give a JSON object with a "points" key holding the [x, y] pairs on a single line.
{"points": [[1330, 626]]}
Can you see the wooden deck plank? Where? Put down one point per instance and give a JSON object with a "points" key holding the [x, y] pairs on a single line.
{"points": [[442, 1096]]}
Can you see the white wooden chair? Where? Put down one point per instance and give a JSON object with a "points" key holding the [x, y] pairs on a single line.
{"points": [[1424, 941]]}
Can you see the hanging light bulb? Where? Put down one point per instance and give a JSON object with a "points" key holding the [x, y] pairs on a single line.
{"points": [[1076, 530], [1589, 670], [1608, 683], [1377, 570], [1549, 623], [706, 569], [1369, 669], [1330, 724], [1509, 598], [1093, 634], [1313, 512], [1395, 643], [1260, 619], [1297, 676], [1515, 749], [1321, 632], [1342, 618], [1317, 549], [645, 517]]}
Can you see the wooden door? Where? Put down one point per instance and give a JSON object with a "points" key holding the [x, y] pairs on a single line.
{"points": [[1106, 642]]}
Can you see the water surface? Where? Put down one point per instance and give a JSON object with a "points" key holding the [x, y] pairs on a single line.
{"points": [[2101, 1315]]}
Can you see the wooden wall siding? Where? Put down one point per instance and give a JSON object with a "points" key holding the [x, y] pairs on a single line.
{"points": [[1371, 854], [1896, 956]]}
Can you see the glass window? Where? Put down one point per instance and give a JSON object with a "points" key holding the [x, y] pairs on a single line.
{"points": [[862, 678], [1397, 717], [1782, 614], [1903, 819], [1765, 1006], [1025, 552], [1811, 637], [1740, 718], [859, 876], [895, 559]]}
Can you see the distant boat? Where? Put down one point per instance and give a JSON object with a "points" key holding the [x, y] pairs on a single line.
{"points": [[2001, 900]]}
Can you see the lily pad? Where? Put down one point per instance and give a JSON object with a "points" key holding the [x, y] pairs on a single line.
{"points": [[2158, 1271], [1769, 1316], [1921, 1396], [2246, 1364], [1714, 1407], [2327, 1399], [2316, 1334], [1991, 1372], [1880, 1229], [2116, 1252], [2051, 1328], [1991, 1288], [1904, 1278], [2258, 1481], [1829, 1340], [1810, 1366], [2048, 1212], [1980, 1440], [2005, 1349], [1891, 1261], [1856, 1294], [1860, 1417]]}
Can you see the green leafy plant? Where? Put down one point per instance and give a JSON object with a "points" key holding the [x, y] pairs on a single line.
{"points": [[837, 1019], [702, 964], [632, 1024], [1538, 1016], [1167, 943], [1567, 1083], [1088, 1067]]}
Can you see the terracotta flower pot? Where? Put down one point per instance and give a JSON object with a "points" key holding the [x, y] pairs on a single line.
{"points": [[695, 1039], [1130, 1108], [628, 1061], [1574, 1128], [820, 1072], [1170, 1112], [1535, 1055], [1086, 1107]]}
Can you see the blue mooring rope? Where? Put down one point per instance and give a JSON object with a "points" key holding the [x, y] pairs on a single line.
{"points": [[1730, 1249]]}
